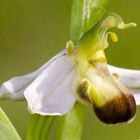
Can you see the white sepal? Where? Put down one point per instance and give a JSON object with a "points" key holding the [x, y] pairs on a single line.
{"points": [[51, 92], [14, 88], [130, 78]]}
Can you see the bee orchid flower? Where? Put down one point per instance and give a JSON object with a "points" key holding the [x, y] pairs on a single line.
{"points": [[80, 73]]}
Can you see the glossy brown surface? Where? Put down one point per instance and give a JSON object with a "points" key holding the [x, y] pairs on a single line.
{"points": [[120, 109]]}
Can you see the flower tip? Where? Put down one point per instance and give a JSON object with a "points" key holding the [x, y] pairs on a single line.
{"points": [[129, 25], [133, 24]]}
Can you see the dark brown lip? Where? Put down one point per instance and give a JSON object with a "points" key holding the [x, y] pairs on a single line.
{"points": [[118, 110]]}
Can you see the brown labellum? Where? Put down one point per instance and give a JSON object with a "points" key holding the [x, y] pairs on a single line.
{"points": [[120, 109], [112, 101]]}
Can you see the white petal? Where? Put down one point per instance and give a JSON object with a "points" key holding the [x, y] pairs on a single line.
{"points": [[14, 88], [51, 92], [130, 78]]}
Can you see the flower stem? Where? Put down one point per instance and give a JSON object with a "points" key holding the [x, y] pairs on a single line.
{"points": [[46, 127], [32, 126], [70, 126], [39, 127]]}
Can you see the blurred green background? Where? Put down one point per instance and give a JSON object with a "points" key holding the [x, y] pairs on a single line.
{"points": [[33, 31]]}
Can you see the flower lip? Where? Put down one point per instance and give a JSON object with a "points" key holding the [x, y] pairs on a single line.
{"points": [[112, 102], [119, 109]]}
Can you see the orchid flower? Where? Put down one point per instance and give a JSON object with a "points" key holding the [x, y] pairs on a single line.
{"points": [[80, 73]]}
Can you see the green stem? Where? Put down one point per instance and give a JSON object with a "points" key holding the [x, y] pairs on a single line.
{"points": [[32, 126], [84, 15], [46, 127], [70, 126], [39, 127]]}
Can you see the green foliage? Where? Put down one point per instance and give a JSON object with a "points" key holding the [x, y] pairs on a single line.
{"points": [[7, 131]]}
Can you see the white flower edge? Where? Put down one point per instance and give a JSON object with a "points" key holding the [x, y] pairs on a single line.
{"points": [[48, 90], [14, 88]]}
